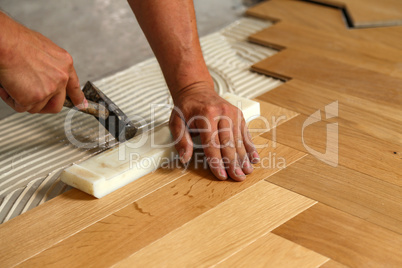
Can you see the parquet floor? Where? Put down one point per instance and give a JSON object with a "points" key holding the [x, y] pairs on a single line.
{"points": [[338, 202]]}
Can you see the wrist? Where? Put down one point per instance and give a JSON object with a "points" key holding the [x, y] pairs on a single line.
{"points": [[188, 76], [8, 38]]}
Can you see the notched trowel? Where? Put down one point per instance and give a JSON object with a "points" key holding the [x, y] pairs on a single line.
{"points": [[107, 113]]}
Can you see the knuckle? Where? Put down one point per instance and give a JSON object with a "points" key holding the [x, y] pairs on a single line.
{"points": [[210, 110], [54, 110], [63, 77], [38, 97], [226, 142], [226, 108], [68, 58]]}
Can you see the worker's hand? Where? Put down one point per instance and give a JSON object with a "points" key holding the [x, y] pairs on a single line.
{"points": [[226, 142], [35, 74]]}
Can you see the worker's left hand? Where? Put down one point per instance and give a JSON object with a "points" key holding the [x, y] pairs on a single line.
{"points": [[226, 142]]}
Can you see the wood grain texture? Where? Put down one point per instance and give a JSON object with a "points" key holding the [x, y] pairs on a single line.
{"points": [[326, 19], [344, 238], [377, 120], [332, 264], [299, 12], [350, 191], [137, 225], [67, 214], [375, 56], [274, 251], [343, 78], [224, 230], [370, 13], [271, 117], [356, 150], [42, 230]]}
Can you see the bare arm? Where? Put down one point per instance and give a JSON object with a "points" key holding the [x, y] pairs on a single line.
{"points": [[35, 73], [170, 27]]}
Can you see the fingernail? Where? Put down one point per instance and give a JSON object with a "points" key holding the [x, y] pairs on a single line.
{"points": [[256, 157], [85, 103], [222, 173], [239, 172], [246, 164]]}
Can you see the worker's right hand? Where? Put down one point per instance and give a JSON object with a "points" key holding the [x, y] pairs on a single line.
{"points": [[35, 73]]}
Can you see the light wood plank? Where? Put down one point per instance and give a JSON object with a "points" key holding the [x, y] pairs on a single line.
{"points": [[335, 75], [271, 117], [356, 150], [67, 214], [155, 215], [344, 238], [323, 18], [370, 13], [380, 121], [222, 231], [299, 12], [332, 264], [274, 251], [350, 191], [375, 56]]}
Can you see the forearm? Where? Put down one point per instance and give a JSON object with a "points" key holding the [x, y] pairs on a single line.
{"points": [[170, 27]]}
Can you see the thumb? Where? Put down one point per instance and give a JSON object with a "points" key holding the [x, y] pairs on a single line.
{"points": [[74, 91], [182, 139]]}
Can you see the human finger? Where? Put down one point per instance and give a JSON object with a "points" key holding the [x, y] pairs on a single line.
{"points": [[248, 144], [228, 150], [182, 139], [211, 147]]}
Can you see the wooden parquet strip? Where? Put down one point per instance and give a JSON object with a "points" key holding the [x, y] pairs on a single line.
{"points": [[375, 56], [370, 13], [271, 117], [381, 121], [343, 78], [224, 230], [326, 19], [301, 13], [344, 238], [274, 251], [48, 224], [155, 215], [356, 150], [333, 264], [350, 191]]}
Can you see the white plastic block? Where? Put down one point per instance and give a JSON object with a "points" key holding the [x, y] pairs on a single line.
{"points": [[117, 167]]}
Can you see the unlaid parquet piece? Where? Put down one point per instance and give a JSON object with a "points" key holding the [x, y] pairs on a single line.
{"points": [[350, 191], [224, 230], [301, 13], [274, 251], [346, 239], [370, 13], [137, 225]]}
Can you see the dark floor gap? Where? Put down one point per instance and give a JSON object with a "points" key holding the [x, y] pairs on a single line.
{"points": [[345, 14]]}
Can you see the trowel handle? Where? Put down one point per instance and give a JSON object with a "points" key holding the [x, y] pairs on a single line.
{"points": [[93, 108]]}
